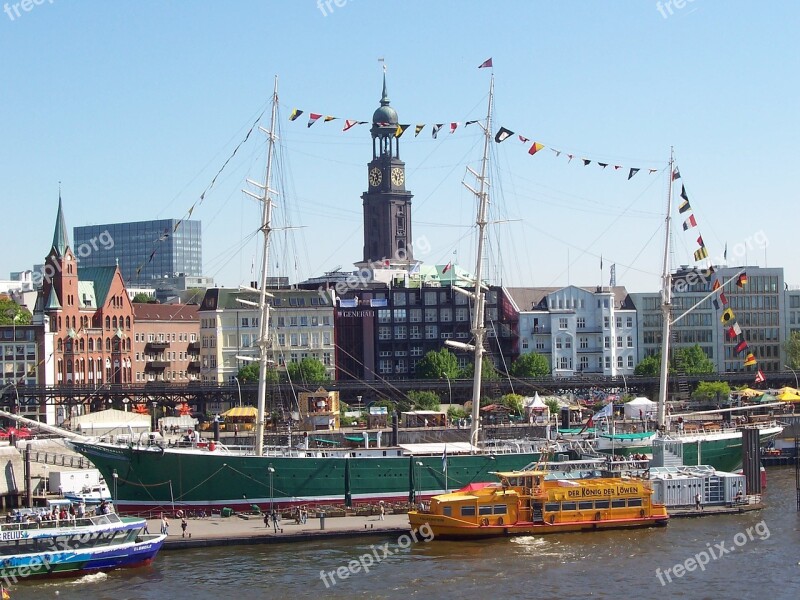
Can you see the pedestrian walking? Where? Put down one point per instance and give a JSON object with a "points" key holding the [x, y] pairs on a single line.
{"points": [[275, 521], [697, 499], [164, 525], [184, 525], [382, 511]]}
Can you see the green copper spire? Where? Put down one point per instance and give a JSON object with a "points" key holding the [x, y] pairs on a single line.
{"points": [[60, 235], [384, 96], [52, 300]]}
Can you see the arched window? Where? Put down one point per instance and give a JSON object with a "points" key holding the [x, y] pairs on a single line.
{"points": [[60, 345], [91, 345], [108, 344], [108, 322], [99, 345], [81, 345], [68, 348], [114, 322], [127, 322]]}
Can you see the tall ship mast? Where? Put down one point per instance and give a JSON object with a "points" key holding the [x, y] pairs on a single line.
{"points": [[666, 306], [263, 304]]}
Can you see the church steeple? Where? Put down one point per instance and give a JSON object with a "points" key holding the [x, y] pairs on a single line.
{"points": [[60, 235], [387, 203]]}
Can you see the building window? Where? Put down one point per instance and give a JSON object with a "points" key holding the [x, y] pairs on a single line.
{"points": [[608, 362], [584, 363], [630, 361], [606, 322], [619, 341], [581, 323], [524, 343], [462, 315], [584, 343], [630, 341], [619, 322], [607, 342], [619, 362], [628, 322], [431, 332], [400, 332], [562, 323]]}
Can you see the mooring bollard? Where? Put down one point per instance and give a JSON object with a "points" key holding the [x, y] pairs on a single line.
{"points": [[322, 520]]}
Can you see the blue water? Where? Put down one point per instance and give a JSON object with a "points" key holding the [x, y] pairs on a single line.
{"points": [[615, 564]]}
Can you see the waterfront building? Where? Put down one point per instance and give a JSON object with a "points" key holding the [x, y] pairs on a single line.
{"points": [[87, 318], [383, 331], [146, 251], [166, 342], [759, 306], [580, 330], [301, 326], [21, 350]]}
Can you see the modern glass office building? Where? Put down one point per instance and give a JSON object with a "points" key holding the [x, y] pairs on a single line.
{"points": [[146, 250]]}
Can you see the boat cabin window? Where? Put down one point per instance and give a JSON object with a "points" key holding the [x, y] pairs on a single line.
{"points": [[601, 503], [511, 481], [618, 503], [634, 501], [485, 510], [586, 505], [447, 511], [500, 509], [568, 506], [467, 511], [552, 507]]}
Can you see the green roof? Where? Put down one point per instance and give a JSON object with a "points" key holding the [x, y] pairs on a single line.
{"points": [[52, 300], [100, 278]]}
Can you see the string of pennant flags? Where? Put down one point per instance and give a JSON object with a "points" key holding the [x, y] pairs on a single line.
{"points": [[436, 128], [733, 330]]}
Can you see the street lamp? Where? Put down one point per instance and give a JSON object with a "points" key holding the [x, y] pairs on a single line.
{"points": [[155, 414], [271, 470], [795, 375], [239, 387], [449, 388]]}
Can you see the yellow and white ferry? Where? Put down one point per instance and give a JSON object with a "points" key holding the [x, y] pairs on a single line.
{"points": [[526, 503]]}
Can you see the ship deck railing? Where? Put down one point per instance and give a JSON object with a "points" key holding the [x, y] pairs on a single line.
{"points": [[108, 519]]}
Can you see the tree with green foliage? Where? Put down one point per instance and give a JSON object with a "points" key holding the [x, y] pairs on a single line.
{"points": [[513, 402], [424, 400], [249, 373], [308, 370], [692, 361], [717, 391], [12, 313], [792, 347], [488, 371], [142, 298], [553, 405], [438, 364], [531, 365], [649, 366], [454, 413]]}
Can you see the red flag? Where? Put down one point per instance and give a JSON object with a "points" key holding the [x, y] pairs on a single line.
{"points": [[312, 118], [741, 347], [447, 267], [731, 333], [760, 376], [486, 63]]}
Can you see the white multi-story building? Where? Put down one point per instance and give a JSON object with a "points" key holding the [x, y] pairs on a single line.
{"points": [[301, 326], [580, 330]]}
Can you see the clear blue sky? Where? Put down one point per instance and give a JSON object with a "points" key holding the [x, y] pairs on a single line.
{"points": [[134, 106]]}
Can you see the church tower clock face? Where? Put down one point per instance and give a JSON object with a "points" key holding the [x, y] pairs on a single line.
{"points": [[398, 177], [375, 177]]}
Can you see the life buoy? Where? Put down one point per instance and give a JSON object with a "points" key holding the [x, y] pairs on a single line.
{"points": [[500, 521], [484, 522], [552, 519], [597, 516]]}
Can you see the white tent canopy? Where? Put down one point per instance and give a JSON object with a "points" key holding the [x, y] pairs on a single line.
{"points": [[647, 407], [110, 421]]}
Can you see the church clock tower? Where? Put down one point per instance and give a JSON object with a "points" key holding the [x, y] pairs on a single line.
{"points": [[387, 203]]}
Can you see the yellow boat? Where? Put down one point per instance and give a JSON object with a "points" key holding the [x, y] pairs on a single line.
{"points": [[525, 503]]}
